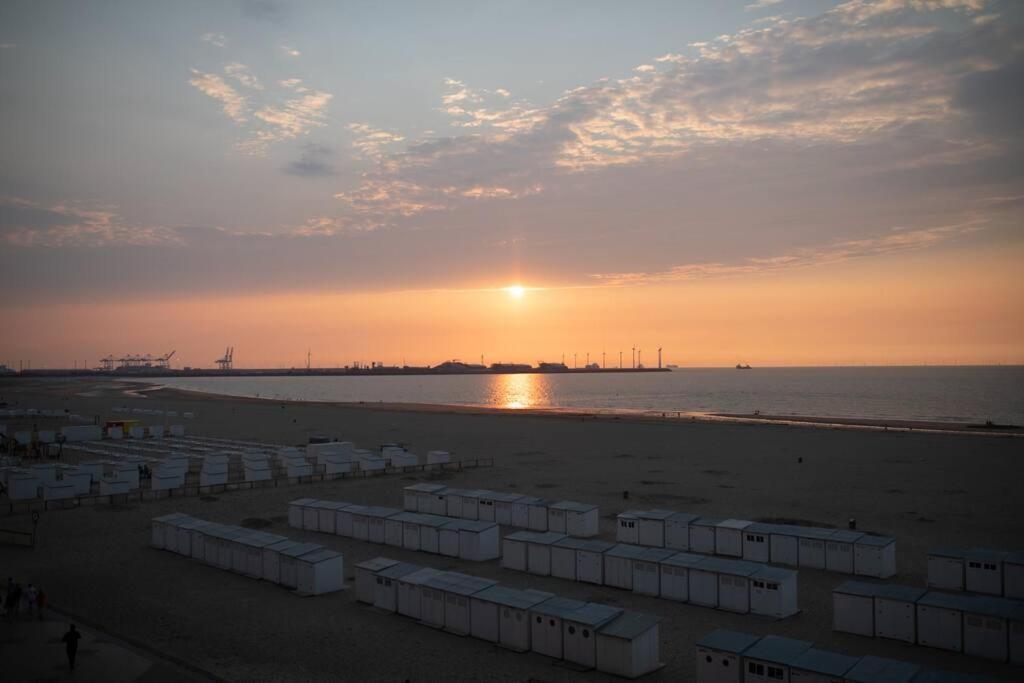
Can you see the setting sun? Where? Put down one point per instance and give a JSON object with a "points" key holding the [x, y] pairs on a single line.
{"points": [[516, 291]]}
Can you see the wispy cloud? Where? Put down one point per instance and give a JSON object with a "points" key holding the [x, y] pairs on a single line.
{"points": [[285, 111], [290, 51], [761, 4], [241, 73], [370, 142], [897, 240], [69, 224], [212, 85], [215, 39]]}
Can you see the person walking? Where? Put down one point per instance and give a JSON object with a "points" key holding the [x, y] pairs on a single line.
{"points": [[70, 641], [41, 603], [31, 593]]}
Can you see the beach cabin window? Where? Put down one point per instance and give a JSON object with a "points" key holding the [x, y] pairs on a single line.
{"points": [[725, 662], [572, 630], [773, 586], [586, 633], [708, 659], [759, 584], [754, 538], [776, 673], [755, 668], [626, 524], [539, 620], [975, 565], [989, 566], [994, 625]]}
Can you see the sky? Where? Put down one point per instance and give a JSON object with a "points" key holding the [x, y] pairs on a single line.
{"points": [[778, 182]]}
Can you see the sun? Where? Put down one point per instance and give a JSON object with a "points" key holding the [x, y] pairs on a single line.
{"points": [[516, 291]]}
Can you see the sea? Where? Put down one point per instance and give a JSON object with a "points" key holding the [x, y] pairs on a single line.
{"points": [[973, 394]]}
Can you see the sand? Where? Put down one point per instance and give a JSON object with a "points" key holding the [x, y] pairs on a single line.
{"points": [[925, 489]]}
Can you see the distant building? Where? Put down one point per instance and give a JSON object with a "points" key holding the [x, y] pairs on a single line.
{"points": [[511, 367], [552, 367]]}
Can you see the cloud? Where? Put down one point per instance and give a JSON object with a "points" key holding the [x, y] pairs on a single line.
{"points": [[286, 111], [212, 85], [761, 4], [370, 142], [241, 73], [290, 51], [896, 241], [645, 68], [215, 39], [265, 10], [314, 162], [29, 224]]}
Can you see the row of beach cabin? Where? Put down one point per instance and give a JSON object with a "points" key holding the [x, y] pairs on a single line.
{"points": [[307, 568], [586, 634], [725, 656], [728, 584], [466, 539], [979, 625], [508, 509], [977, 570], [60, 481], [81, 433], [836, 550]]}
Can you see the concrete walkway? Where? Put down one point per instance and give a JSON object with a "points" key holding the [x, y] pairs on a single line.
{"points": [[32, 650]]}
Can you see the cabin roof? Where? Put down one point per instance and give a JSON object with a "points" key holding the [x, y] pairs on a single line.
{"points": [[871, 669], [593, 614], [778, 649], [629, 625], [724, 640], [825, 662]]}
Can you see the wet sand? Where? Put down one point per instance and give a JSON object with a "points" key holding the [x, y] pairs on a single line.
{"points": [[923, 488]]}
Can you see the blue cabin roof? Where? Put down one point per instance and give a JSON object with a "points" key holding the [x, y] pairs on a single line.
{"points": [[871, 669], [725, 640], [825, 662], [778, 650]]}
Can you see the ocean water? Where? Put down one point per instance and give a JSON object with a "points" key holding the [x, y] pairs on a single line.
{"points": [[947, 394]]}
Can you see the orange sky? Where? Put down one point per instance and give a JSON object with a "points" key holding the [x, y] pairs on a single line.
{"points": [[910, 308]]}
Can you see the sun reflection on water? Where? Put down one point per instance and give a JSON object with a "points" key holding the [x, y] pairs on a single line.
{"points": [[519, 391]]}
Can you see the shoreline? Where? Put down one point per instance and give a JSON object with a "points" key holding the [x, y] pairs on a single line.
{"points": [[624, 415]]}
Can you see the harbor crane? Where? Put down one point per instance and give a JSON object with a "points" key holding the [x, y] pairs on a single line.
{"points": [[227, 362], [164, 362]]}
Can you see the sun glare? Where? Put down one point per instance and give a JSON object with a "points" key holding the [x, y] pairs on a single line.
{"points": [[516, 291]]}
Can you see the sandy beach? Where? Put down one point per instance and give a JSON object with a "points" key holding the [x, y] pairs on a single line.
{"points": [[923, 488]]}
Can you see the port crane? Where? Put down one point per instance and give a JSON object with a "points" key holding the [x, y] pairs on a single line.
{"points": [[164, 362], [227, 362]]}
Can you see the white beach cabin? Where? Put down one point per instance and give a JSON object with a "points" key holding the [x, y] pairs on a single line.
{"points": [[871, 669], [515, 550], [1013, 576], [677, 530], [729, 537], [618, 565], [344, 522], [773, 592], [453, 502], [58, 490], [734, 583], [501, 615], [320, 571], [702, 534], [821, 666], [394, 529], [675, 575], [874, 556], [497, 507], [896, 612], [984, 570], [579, 559], [471, 503], [297, 513], [853, 608], [651, 529], [940, 621], [386, 584], [771, 658], [757, 542], [812, 547], [430, 532], [987, 623], [414, 494], [290, 560], [438, 457], [627, 527], [785, 544], [538, 551], [579, 632], [373, 519], [456, 590], [947, 568], [327, 515], [630, 645], [479, 541], [839, 550], [720, 656], [448, 537], [537, 514], [647, 570], [366, 577], [1017, 635], [546, 625], [575, 519], [408, 589]]}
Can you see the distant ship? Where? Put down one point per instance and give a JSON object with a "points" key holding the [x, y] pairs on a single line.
{"points": [[740, 366]]}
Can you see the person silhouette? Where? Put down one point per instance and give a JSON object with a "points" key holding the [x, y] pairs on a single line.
{"points": [[70, 640]]}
